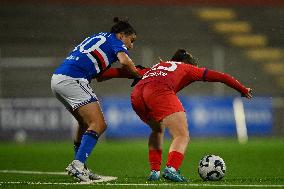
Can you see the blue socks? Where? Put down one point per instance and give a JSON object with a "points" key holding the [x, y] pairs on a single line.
{"points": [[88, 142], [76, 147]]}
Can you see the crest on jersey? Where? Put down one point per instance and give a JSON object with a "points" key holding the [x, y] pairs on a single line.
{"points": [[123, 46]]}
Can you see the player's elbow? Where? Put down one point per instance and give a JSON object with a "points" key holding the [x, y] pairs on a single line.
{"points": [[124, 59], [126, 63]]}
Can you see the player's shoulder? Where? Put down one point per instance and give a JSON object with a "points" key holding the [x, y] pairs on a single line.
{"points": [[106, 35], [111, 37], [194, 68]]}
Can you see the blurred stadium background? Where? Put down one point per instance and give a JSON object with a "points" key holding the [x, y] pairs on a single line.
{"points": [[239, 37]]}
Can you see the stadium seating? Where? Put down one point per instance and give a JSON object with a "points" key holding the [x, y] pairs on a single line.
{"points": [[252, 48], [240, 28]]}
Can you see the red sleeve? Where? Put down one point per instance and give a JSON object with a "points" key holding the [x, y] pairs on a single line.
{"points": [[194, 73], [214, 76], [119, 73]]}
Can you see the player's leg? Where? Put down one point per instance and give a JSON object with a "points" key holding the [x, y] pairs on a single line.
{"points": [[80, 130], [91, 126], [165, 107], [80, 100], [90, 116], [155, 144], [176, 123], [161, 102], [156, 137]]}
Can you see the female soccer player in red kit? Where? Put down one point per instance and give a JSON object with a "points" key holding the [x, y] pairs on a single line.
{"points": [[155, 101]]}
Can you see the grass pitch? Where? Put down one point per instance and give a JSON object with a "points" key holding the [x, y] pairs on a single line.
{"points": [[258, 164]]}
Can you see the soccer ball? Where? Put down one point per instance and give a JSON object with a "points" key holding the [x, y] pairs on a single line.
{"points": [[212, 168]]}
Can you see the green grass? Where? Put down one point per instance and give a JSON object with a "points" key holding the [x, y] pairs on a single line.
{"points": [[260, 162]]}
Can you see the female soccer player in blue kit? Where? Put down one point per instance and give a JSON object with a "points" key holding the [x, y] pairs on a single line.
{"points": [[70, 84]]}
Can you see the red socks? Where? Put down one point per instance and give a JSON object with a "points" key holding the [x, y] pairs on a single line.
{"points": [[175, 159], [155, 158]]}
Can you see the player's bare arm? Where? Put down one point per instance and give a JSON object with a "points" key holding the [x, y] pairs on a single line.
{"points": [[128, 64]]}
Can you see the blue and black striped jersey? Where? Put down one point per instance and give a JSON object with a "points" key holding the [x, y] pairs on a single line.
{"points": [[95, 54]]}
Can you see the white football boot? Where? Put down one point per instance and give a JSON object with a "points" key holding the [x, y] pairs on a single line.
{"points": [[92, 176], [77, 170]]}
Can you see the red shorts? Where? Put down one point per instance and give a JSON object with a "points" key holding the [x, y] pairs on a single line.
{"points": [[154, 100]]}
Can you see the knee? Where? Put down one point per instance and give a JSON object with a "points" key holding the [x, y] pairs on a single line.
{"points": [[184, 137], [104, 127], [158, 130], [98, 127], [187, 139]]}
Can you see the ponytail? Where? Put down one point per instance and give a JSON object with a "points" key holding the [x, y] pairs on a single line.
{"points": [[182, 56], [122, 26]]}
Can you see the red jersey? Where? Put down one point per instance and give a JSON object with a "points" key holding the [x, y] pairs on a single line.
{"points": [[175, 74], [178, 75]]}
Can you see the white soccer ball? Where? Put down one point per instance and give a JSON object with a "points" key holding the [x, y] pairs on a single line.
{"points": [[212, 168]]}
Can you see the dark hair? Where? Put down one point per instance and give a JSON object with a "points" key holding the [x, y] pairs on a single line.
{"points": [[182, 56], [122, 26]]}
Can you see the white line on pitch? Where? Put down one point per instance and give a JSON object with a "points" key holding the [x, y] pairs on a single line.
{"points": [[123, 184], [162, 184], [33, 172], [102, 179]]}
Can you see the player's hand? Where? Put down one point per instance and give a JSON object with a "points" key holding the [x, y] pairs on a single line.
{"points": [[140, 67], [135, 81], [141, 70], [248, 94]]}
